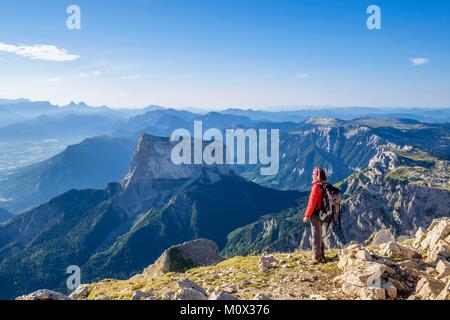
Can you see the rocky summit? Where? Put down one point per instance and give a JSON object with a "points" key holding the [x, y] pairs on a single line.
{"points": [[153, 177], [415, 269]]}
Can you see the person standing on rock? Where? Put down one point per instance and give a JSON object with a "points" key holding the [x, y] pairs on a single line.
{"points": [[312, 214]]}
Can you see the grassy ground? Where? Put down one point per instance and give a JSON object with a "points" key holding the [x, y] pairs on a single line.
{"points": [[295, 277]]}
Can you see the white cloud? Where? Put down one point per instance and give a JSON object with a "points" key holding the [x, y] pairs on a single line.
{"points": [[302, 75], [54, 79], [88, 74], [39, 52], [419, 61], [132, 77]]}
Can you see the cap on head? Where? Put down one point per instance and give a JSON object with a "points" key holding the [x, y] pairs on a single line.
{"points": [[319, 173], [316, 172]]}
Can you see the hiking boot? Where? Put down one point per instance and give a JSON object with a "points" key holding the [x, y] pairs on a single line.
{"points": [[323, 260]]}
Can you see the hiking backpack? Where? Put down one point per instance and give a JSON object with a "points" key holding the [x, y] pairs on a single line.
{"points": [[331, 204]]}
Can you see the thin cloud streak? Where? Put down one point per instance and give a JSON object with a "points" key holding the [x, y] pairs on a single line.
{"points": [[39, 52]]}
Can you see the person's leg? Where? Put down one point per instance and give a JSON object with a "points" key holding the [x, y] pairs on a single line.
{"points": [[322, 236], [316, 237]]}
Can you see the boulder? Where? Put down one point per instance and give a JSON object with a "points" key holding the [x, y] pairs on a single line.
{"points": [[438, 230], [363, 255], [261, 296], [351, 250], [350, 289], [221, 296], [438, 251], [409, 253], [168, 295], [352, 254], [428, 288], [399, 285], [394, 249], [190, 294], [44, 295], [443, 268], [445, 293], [390, 249], [179, 258], [420, 235], [188, 284], [266, 262], [143, 295], [81, 292], [382, 236], [409, 264], [372, 293], [365, 274], [391, 290]]}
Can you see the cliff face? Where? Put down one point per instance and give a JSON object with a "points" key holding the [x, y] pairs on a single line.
{"points": [[153, 177], [340, 150], [400, 190]]}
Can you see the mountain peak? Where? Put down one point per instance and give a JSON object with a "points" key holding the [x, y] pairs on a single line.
{"points": [[73, 104], [153, 176], [152, 161]]}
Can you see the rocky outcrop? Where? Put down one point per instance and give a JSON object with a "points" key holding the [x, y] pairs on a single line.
{"points": [[393, 271], [153, 176], [179, 258], [435, 242], [397, 270], [266, 262], [189, 290], [143, 295], [386, 196], [44, 295], [82, 292], [381, 236], [221, 296]]}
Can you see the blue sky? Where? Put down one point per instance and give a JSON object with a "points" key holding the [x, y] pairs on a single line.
{"points": [[227, 53]]}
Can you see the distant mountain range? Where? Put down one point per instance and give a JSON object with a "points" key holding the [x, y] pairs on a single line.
{"points": [[5, 215], [91, 164], [431, 115], [341, 147], [19, 110]]}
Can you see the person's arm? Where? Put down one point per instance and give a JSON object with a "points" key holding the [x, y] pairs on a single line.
{"points": [[314, 198]]}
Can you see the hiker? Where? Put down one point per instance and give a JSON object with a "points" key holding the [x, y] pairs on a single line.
{"points": [[312, 214]]}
